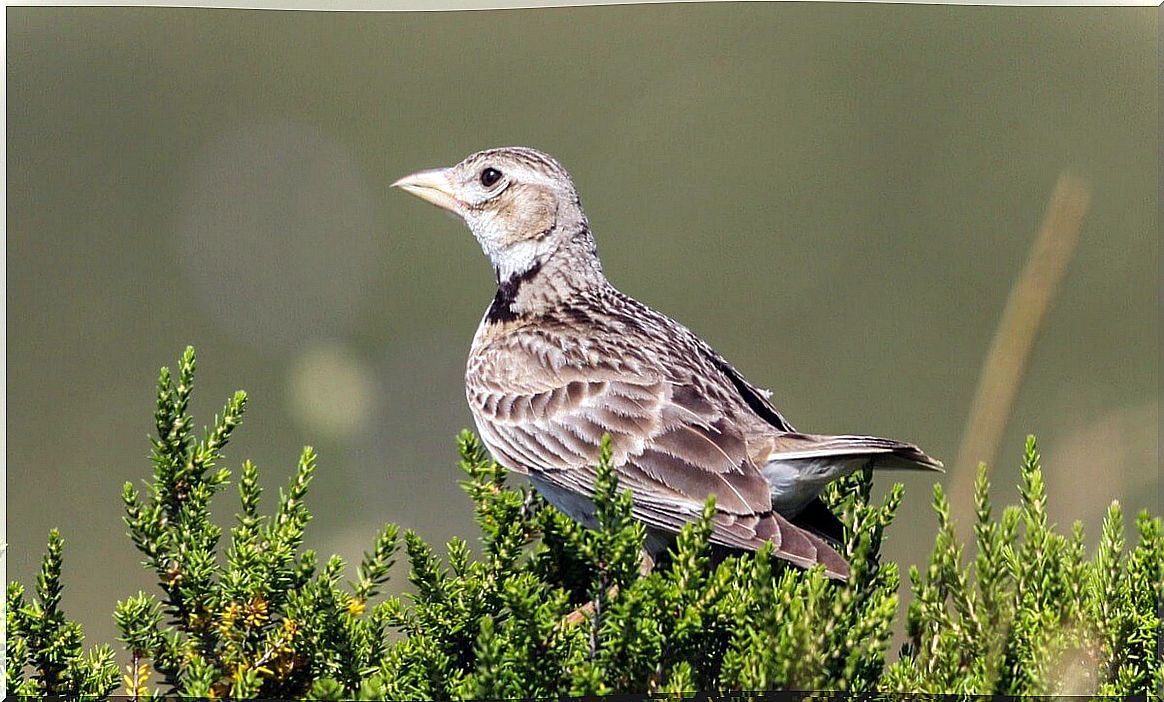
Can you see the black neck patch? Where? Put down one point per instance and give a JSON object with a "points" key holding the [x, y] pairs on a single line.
{"points": [[502, 308]]}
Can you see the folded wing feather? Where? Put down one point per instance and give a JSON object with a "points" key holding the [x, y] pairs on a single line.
{"points": [[671, 448]]}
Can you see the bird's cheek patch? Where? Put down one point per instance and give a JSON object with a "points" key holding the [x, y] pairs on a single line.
{"points": [[533, 215]]}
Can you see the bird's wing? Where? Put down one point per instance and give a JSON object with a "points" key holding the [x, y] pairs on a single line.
{"points": [[757, 400], [671, 447]]}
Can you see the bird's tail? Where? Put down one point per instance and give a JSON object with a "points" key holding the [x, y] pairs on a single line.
{"points": [[884, 453], [799, 466]]}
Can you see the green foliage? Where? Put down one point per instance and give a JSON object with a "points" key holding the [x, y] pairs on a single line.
{"points": [[267, 622], [546, 607], [569, 613], [41, 639], [1032, 616]]}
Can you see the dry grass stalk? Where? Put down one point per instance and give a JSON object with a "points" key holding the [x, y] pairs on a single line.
{"points": [[1022, 318]]}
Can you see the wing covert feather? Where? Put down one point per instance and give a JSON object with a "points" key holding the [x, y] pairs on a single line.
{"points": [[666, 440]]}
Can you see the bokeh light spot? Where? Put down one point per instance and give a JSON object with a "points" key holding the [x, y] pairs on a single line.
{"points": [[330, 390]]}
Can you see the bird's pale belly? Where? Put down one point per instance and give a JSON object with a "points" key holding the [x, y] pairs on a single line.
{"points": [[578, 507], [797, 482], [582, 510]]}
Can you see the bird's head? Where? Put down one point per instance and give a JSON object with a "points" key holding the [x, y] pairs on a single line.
{"points": [[519, 203]]}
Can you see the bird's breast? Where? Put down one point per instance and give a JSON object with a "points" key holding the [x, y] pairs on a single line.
{"points": [[527, 357]]}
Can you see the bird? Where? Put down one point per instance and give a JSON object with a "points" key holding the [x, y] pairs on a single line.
{"points": [[561, 358]]}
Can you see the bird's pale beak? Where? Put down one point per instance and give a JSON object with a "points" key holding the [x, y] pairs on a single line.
{"points": [[434, 185]]}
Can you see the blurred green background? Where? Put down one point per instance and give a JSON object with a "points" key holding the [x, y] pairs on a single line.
{"points": [[836, 196]]}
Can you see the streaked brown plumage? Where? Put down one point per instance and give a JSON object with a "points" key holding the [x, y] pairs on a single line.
{"points": [[561, 357]]}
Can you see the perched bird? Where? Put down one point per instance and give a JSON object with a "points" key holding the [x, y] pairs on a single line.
{"points": [[561, 358]]}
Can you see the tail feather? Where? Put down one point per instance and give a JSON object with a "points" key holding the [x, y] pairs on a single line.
{"points": [[886, 453]]}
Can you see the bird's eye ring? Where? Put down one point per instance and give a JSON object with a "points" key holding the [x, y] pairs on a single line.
{"points": [[490, 176]]}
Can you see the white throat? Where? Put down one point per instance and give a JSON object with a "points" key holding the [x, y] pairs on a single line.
{"points": [[517, 258]]}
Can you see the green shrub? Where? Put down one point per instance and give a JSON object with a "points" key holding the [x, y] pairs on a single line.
{"points": [[549, 608]]}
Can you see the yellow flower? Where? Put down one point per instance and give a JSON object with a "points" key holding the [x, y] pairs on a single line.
{"points": [[136, 681], [257, 614], [229, 616]]}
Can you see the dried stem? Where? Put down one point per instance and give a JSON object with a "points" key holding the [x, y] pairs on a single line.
{"points": [[136, 675], [1006, 361]]}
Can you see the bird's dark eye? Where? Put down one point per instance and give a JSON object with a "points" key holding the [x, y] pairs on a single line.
{"points": [[490, 176]]}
